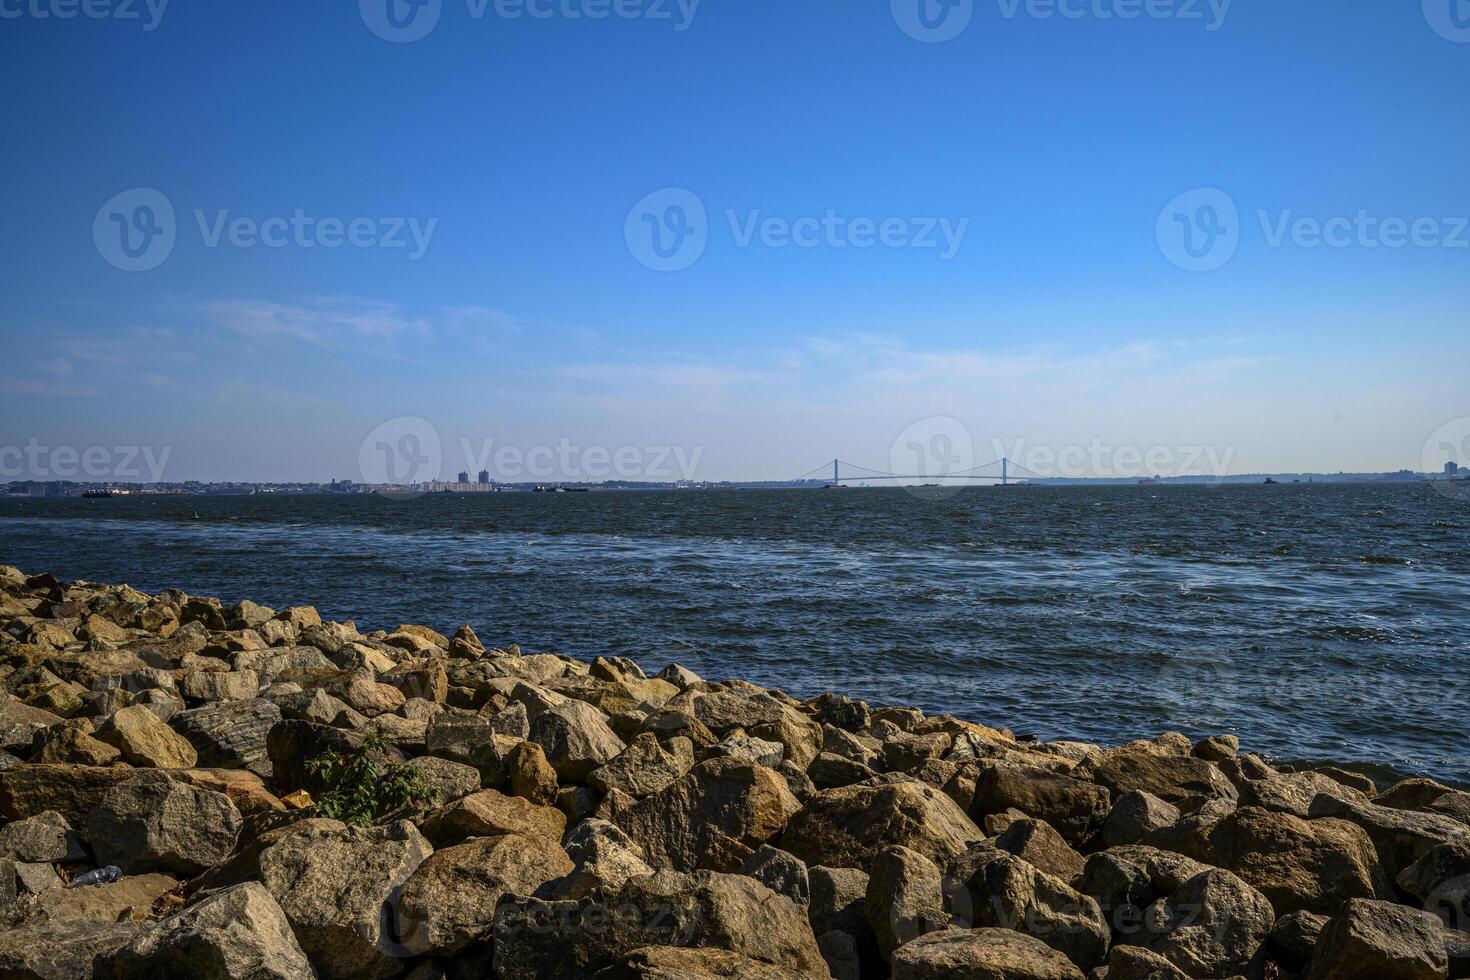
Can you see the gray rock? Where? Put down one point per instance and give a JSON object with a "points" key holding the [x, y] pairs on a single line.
{"points": [[849, 826], [1370, 940], [61, 950], [904, 900], [230, 735], [45, 837], [605, 859], [1006, 892], [335, 885], [759, 751], [449, 901], [1135, 815], [540, 940], [576, 739], [981, 954], [645, 767], [783, 873], [239, 933], [154, 823], [1213, 926]]}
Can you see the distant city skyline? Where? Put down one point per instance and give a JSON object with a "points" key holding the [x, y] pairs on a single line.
{"points": [[758, 235]]}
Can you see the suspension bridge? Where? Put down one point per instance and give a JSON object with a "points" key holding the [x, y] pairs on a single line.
{"points": [[998, 472]]}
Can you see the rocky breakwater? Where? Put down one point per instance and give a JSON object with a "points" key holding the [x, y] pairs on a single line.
{"points": [[189, 789]]}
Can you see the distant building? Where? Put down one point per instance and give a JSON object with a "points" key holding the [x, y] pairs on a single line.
{"points": [[1451, 469], [464, 476], [484, 477]]}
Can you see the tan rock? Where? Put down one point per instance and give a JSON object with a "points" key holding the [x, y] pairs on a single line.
{"points": [[143, 740]]}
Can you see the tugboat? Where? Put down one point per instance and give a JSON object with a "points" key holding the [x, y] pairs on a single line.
{"points": [[1270, 482]]}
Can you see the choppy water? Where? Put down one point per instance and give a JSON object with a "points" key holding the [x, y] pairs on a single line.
{"points": [[1316, 621]]}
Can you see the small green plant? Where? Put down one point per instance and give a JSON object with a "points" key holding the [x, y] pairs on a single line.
{"points": [[361, 790]]}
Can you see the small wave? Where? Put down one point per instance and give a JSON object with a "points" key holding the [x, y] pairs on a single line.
{"points": [[1383, 560]]}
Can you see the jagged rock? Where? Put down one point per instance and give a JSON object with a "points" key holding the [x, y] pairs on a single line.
{"points": [[576, 739], [143, 740], [1135, 815], [531, 775], [1370, 940], [783, 873], [1212, 926], [646, 766], [981, 954], [1401, 836], [45, 837], [230, 735], [1294, 938], [61, 950], [154, 823], [449, 901], [465, 645], [831, 771], [680, 677], [904, 900], [1005, 892], [605, 858], [335, 886], [1172, 778], [712, 818], [539, 940], [849, 826], [757, 750], [73, 744], [672, 963], [72, 791], [1293, 792], [1216, 748], [1436, 878], [1137, 963], [1311, 865], [447, 781], [1037, 843], [490, 813], [1076, 808], [231, 685]]}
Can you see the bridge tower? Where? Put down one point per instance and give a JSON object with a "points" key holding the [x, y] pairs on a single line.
{"points": [[834, 472], [1004, 464]]}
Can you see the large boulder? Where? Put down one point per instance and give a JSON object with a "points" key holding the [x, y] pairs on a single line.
{"points": [[645, 766], [46, 837], [61, 950], [1369, 940], [449, 901], [239, 933], [230, 734], [714, 818], [849, 826], [155, 823], [1075, 807], [904, 900], [540, 940], [1005, 892], [1311, 865], [1401, 836], [336, 885], [981, 954], [143, 740], [1141, 768], [72, 791], [576, 739], [1213, 926], [605, 859], [490, 813], [129, 897]]}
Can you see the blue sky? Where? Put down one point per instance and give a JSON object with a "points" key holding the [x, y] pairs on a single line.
{"points": [[519, 147]]}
